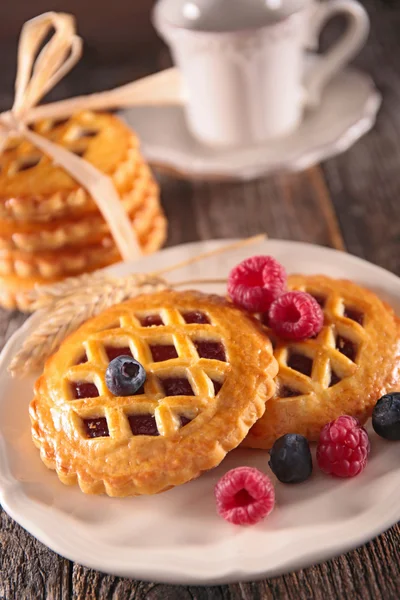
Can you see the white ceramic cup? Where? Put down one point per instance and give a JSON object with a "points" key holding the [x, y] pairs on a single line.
{"points": [[246, 86]]}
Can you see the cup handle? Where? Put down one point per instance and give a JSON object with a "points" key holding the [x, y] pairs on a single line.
{"points": [[342, 50]]}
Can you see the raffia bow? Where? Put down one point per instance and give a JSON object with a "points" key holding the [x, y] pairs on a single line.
{"points": [[38, 71]]}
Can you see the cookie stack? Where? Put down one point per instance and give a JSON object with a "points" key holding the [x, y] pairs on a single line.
{"points": [[50, 227]]}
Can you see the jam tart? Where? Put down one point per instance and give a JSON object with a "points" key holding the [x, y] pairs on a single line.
{"points": [[33, 189], [351, 363], [50, 227], [20, 272], [210, 371], [42, 237], [71, 260]]}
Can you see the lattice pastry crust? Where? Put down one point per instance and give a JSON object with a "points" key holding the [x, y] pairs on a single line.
{"points": [[354, 360], [14, 289], [32, 188], [209, 369]]}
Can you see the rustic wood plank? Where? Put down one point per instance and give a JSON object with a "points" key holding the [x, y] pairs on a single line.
{"points": [[28, 568], [295, 207], [364, 182], [111, 33]]}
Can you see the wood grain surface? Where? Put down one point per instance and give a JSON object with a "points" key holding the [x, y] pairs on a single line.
{"points": [[351, 202]]}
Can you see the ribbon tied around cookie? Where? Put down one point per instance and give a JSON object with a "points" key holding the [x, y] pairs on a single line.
{"points": [[39, 69]]}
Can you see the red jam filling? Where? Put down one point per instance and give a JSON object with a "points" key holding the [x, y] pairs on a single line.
{"points": [[217, 386], [151, 320], [346, 347], [354, 315], [84, 389], [28, 163], [162, 352], [59, 122], [274, 341], [196, 317], [211, 350], [82, 359], [300, 363], [176, 386], [334, 379], [113, 352], [97, 427], [87, 133], [320, 299], [79, 152], [288, 392], [143, 425], [184, 420]]}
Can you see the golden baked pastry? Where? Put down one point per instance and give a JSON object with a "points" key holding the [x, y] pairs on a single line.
{"points": [[43, 236], [20, 272], [353, 361], [210, 371], [32, 188], [50, 227], [15, 291], [69, 261]]}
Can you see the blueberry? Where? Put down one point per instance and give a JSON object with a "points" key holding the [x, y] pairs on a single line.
{"points": [[125, 376], [290, 458], [386, 416]]}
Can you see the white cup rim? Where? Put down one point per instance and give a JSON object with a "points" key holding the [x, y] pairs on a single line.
{"points": [[160, 22]]}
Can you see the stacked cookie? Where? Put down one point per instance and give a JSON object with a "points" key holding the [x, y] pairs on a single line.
{"points": [[50, 227]]}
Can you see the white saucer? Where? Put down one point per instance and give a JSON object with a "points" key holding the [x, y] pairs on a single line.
{"points": [[347, 111], [177, 536]]}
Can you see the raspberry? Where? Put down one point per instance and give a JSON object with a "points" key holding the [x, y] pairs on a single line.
{"points": [[343, 447], [244, 496], [255, 283], [296, 316]]}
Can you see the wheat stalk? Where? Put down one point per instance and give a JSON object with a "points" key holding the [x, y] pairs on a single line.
{"points": [[65, 308], [86, 286], [66, 305]]}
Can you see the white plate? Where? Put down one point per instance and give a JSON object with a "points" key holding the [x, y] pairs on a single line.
{"points": [[177, 536], [347, 111]]}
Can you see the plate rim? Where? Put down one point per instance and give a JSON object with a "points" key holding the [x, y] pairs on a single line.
{"points": [[11, 494]]}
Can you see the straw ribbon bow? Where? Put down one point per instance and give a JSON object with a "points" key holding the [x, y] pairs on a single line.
{"points": [[38, 71]]}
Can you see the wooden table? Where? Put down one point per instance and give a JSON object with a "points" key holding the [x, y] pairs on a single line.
{"points": [[350, 202]]}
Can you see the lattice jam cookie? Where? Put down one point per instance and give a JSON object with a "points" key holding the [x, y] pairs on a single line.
{"points": [[209, 369], [352, 362], [32, 188]]}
